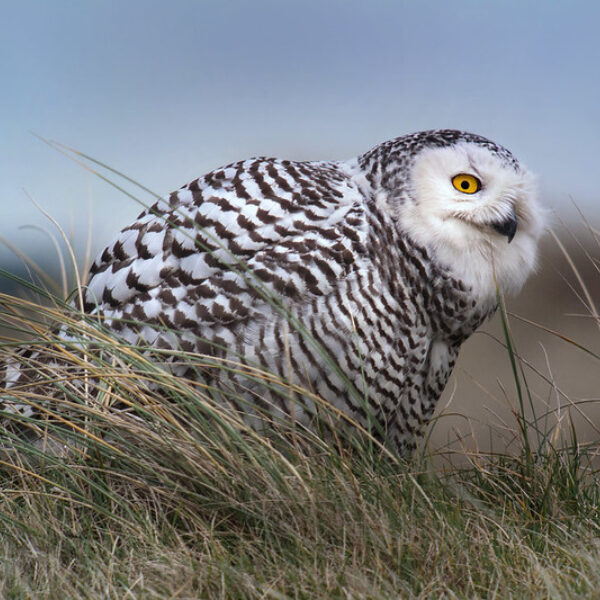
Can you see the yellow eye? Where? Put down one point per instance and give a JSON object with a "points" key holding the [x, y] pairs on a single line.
{"points": [[467, 184]]}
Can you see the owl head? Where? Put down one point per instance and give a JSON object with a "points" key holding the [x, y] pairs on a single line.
{"points": [[470, 203]]}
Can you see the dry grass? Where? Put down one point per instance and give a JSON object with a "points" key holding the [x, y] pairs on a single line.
{"points": [[165, 493]]}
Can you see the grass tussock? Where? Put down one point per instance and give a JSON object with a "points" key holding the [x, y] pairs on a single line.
{"points": [[154, 489], [136, 483]]}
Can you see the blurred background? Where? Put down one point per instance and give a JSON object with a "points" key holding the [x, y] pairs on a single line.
{"points": [[167, 91]]}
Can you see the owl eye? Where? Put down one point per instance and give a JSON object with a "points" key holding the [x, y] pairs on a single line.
{"points": [[468, 184]]}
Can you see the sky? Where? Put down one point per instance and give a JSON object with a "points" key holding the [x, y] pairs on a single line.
{"points": [[166, 91]]}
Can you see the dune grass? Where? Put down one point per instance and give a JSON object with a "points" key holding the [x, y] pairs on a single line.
{"points": [[153, 489], [144, 485]]}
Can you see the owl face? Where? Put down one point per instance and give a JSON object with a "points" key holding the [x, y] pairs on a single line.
{"points": [[477, 211]]}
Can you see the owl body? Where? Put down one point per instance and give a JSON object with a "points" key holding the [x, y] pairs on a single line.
{"points": [[356, 281]]}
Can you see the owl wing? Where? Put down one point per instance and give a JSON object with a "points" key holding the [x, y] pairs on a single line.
{"points": [[219, 248]]}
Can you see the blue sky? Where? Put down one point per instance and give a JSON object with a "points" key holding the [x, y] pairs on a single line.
{"points": [[165, 91]]}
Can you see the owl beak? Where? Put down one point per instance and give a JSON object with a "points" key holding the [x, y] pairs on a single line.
{"points": [[508, 227]]}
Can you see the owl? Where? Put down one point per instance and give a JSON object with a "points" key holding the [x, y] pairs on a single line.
{"points": [[356, 281]]}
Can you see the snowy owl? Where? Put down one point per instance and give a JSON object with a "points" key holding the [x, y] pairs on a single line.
{"points": [[356, 280]]}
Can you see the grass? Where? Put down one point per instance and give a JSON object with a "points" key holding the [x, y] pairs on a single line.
{"points": [[155, 490], [172, 496]]}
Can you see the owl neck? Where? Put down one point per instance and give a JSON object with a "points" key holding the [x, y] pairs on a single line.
{"points": [[411, 273]]}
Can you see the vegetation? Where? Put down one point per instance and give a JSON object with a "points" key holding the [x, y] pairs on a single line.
{"points": [[145, 486]]}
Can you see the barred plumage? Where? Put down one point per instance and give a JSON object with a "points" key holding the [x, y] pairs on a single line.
{"points": [[385, 264]]}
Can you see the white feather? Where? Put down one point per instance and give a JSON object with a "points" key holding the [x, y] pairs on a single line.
{"points": [[456, 227]]}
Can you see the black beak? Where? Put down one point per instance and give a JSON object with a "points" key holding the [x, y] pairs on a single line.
{"points": [[508, 227]]}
